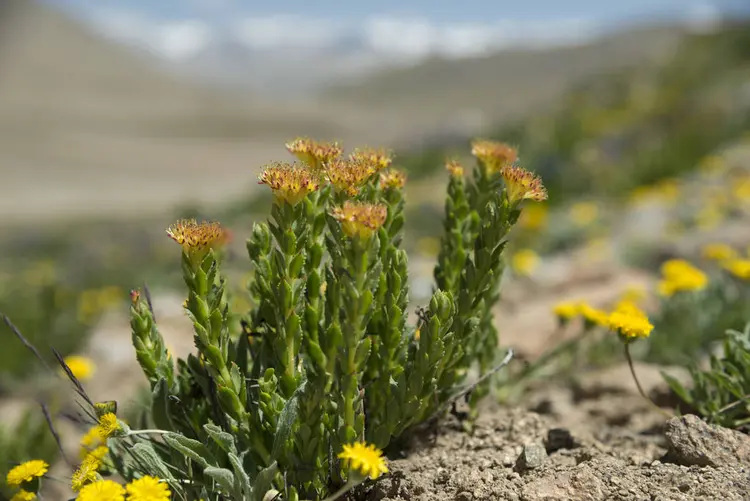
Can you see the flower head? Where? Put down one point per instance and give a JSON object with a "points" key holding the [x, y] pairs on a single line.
{"points": [[26, 472], [86, 473], [148, 489], [102, 490], [679, 275], [740, 268], [360, 220], [366, 459], [197, 238], [630, 322], [374, 159], [290, 183], [521, 184], [81, 367], [524, 262], [23, 495], [392, 179], [313, 153], [454, 168], [90, 442], [494, 156], [347, 176], [108, 425], [718, 252]]}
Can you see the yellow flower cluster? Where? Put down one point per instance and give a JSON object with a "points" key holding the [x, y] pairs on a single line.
{"points": [[366, 459], [347, 176], [627, 319], [679, 275], [143, 489], [392, 179], [375, 159], [313, 153], [493, 155], [454, 168], [195, 237], [290, 183], [718, 252], [360, 220]]}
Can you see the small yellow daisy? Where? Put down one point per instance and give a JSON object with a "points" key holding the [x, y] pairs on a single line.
{"points": [[148, 489], [26, 472]]}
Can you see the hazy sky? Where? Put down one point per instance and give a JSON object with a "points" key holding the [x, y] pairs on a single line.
{"points": [[179, 28]]}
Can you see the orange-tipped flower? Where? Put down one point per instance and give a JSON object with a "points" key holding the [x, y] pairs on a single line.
{"points": [[360, 220], [454, 168], [347, 175], [493, 155], [375, 159], [197, 238], [290, 183], [392, 179], [313, 153], [521, 184]]}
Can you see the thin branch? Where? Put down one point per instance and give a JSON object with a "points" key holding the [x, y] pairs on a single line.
{"points": [[56, 435], [25, 341]]}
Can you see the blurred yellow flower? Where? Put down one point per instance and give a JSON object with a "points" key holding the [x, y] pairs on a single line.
{"points": [[584, 213], [366, 459], [718, 252], [593, 316], [634, 293], [524, 262], [712, 165], [679, 275], [709, 217], [740, 268], [83, 368], [26, 472], [534, 217], [567, 310]]}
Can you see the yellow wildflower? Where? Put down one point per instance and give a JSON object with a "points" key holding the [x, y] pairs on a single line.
{"points": [[567, 310], [740, 268], [524, 262], [360, 220], [718, 252], [313, 153], [148, 489], [90, 441], [86, 473], [347, 176], [23, 495], [366, 459], [290, 183], [428, 246], [521, 184], [493, 155], [26, 472], [392, 179], [630, 322], [584, 213], [102, 490], [374, 159], [593, 316], [454, 168], [678, 276], [108, 425], [633, 293], [81, 367]]}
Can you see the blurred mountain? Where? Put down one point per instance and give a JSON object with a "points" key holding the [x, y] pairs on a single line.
{"points": [[507, 84]]}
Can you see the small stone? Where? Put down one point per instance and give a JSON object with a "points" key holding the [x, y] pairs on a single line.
{"points": [[694, 442], [532, 456], [464, 496], [442, 476], [559, 438]]}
